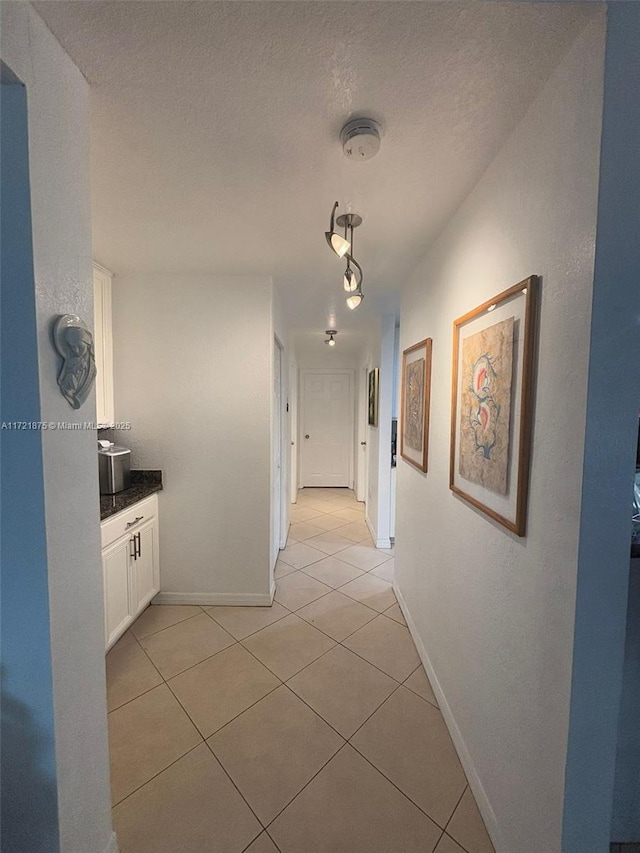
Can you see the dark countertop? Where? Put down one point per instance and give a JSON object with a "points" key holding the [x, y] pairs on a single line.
{"points": [[143, 484]]}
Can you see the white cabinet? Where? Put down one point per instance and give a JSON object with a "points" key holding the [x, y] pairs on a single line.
{"points": [[130, 565], [103, 345]]}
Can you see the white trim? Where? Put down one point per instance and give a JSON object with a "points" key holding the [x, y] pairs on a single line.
{"points": [[456, 735], [273, 590], [112, 846], [207, 599]]}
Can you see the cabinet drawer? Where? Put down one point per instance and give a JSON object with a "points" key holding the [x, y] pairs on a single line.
{"points": [[128, 520]]}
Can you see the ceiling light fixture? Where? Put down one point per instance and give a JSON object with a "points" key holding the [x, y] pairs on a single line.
{"points": [[340, 245], [331, 339], [355, 300]]}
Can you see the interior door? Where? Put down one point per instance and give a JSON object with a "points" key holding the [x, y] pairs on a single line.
{"points": [[326, 429]]}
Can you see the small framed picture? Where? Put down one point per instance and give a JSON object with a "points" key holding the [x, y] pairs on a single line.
{"points": [[414, 405], [373, 396], [491, 404]]}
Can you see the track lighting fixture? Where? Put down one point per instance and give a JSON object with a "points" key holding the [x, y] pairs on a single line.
{"points": [[331, 339], [343, 247]]}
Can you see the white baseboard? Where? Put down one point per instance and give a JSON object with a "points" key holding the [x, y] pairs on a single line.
{"points": [[456, 735], [208, 599], [112, 846], [379, 543]]}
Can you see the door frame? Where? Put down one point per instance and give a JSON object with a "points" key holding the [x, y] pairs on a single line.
{"points": [[335, 371]]}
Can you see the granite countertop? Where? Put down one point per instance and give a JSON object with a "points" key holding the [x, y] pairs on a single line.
{"points": [[143, 484]]}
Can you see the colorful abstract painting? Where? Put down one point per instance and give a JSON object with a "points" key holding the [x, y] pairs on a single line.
{"points": [[414, 405], [485, 406]]}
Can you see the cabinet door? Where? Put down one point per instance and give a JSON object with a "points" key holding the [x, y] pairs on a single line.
{"points": [[115, 566], [103, 345], [145, 568]]}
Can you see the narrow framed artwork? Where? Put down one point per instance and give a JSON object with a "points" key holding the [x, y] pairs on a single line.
{"points": [[491, 404], [414, 404], [373, 396]]}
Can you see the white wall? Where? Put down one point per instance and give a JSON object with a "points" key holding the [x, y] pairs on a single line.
{"points": [[58, 111], [280, 331], [492, 613], [193, 360]]}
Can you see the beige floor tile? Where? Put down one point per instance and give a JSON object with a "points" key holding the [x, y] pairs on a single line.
{"points": [[159, 616], [301, 555], [190, 807], [363, 557], [356, 532], [314, 502], [130, 673], [302, 513], [385, 570], [329, 522], [297, 589], [304, 530], [262, 844], [330, 542], [395, 613], [338, 504], [467, 826], [273, 749], [447, 845], [145, 736], [419, 683], [336, 615], [177, 648], [367, 814], [242, 621], [333, 572], [353, 516], [407, 740], [288, 645], [374, 592], [343, 689], [218, 689], [386, 645], [283, 569]]}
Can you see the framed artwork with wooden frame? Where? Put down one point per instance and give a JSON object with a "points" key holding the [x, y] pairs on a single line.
{"points": [[373, 396], [491, 404], [414, 404]]}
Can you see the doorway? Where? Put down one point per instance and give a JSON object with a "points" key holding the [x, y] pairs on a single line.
{"points": [[326, 428]]}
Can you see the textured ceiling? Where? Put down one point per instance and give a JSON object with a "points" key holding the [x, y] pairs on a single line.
{"points": [[215, 130]]}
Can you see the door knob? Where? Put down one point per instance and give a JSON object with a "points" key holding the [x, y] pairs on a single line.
{"points": [[306, 436]]}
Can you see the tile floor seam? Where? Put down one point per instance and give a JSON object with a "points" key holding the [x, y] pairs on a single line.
{"points": [[384, 701], [226, 773], [155, 775], [182, 671], [305, 666], [391, 782], [166, 627], [346, 743], [404, 684], [353, 651], [317, 713], [355, 631], [257, 631], [456, 806], [206, 737]]}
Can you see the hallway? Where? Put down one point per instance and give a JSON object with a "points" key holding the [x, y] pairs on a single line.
{"points": [[305, 727]]}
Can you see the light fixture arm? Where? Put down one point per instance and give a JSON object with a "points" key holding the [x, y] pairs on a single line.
{"points": [[351, 262]]}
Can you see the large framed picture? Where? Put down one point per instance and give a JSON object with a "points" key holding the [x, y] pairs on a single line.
{"points": [[414, 404], [491, 404], [373, 396]]}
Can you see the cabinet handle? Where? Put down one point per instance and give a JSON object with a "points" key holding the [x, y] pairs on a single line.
{"points": [[139, 551], [133, 542], [135, 521]]}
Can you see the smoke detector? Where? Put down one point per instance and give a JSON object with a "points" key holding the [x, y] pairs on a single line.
{"points": [[360, 139]]}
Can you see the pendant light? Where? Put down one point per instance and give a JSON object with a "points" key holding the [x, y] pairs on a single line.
{"points": [[339, 245], [355, 300]]}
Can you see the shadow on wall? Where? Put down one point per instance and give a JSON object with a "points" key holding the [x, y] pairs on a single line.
{"points": [[30, 809]]}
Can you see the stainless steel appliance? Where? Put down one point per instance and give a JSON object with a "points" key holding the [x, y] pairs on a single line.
{"points": [[114, 466]]}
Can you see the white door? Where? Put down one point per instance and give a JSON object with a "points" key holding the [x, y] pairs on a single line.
{"points": [[326, 429], [276, 455]]}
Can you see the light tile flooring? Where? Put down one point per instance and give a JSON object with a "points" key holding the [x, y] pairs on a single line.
{"points": [[305, 727]]}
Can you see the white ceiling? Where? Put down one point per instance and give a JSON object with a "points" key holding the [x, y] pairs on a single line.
{"points": [[215, 130]]}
